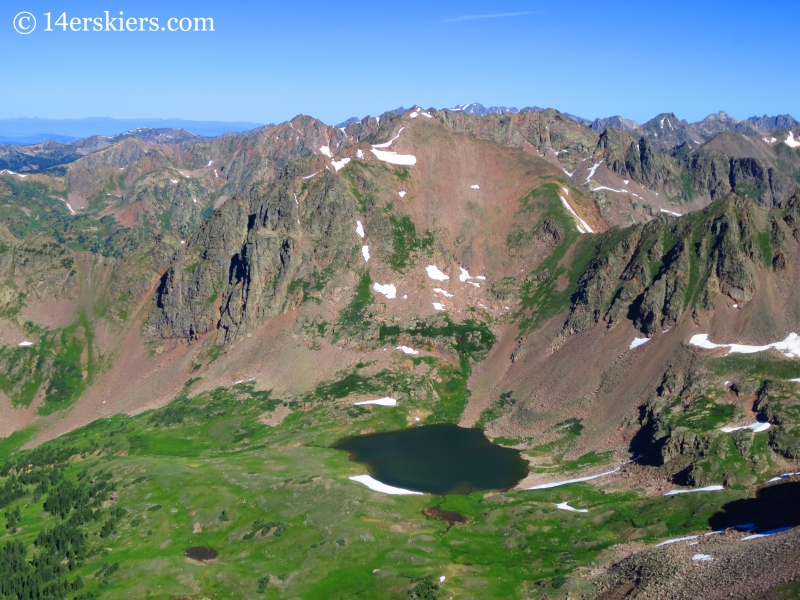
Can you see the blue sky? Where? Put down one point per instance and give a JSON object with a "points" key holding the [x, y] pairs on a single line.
{"points": [[269, 61]]}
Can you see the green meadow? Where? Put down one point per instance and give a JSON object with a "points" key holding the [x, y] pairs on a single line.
{"points": [[278, 507]]}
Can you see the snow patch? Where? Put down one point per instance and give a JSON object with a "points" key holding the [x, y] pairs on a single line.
{"points": [[702, 557], [394, 158], [407, 350], [209, 163], [444, 293], [566, 506], [438, 306], [676, 540], [25, 344], [791, 142], [592, 169], [387, 401], [790, 347], [215, 174], [547, 486], [435, 274], [778, 478], [387, 290], [67, 205], [310, 176], [377, 486], [325, 150], [638, 342], [708, 488], [414, 115], [602, 187], [669, 212], [389, 143], [580, 222], [401, 193], [764, 534], [567, 172], [365, 253], [475, 186], [12, 173], [755, 427], [359, 229], [339, 164], [360, 153], [771, 140]]}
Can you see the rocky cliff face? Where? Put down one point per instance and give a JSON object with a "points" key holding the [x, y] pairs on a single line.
{"points": [[748, 177], [653, 274], [244, 266], [545, 131], [666, 131], [635, 158]]}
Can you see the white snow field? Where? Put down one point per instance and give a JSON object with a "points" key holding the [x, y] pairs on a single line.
{"points": [[435, 273], [566, 506], [387, 401], [790, 347], [394, 158], [377, 486], [547, 486], [388, 290], [708, 488]]}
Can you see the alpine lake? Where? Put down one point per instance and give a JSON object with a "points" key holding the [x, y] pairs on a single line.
{"points": [[437, 459]]}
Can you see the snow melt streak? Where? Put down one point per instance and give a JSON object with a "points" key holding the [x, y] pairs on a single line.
{"points": [[545, 486], [583, 227], [387, 401], [790, 347], [377, 486], [708, 488]]}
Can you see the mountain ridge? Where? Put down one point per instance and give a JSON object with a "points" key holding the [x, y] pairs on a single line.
{"points": [[207, 312]]}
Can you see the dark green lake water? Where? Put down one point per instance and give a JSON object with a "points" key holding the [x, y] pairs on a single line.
{"points": [[438, 459]]}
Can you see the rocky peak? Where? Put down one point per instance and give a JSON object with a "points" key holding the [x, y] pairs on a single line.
{"points": [[720, 117]]}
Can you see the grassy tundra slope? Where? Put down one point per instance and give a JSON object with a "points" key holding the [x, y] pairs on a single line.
{"points": [[276, 504]]}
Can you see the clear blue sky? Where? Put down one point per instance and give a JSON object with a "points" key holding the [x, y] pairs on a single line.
{"points": [[269, 61]]}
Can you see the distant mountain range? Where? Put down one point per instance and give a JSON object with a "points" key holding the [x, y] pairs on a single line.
{"points": [[711, 125], [665, 130], [33, 130]]}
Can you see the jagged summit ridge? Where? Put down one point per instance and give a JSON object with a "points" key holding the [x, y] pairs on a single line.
{"points": [[476, 108]]}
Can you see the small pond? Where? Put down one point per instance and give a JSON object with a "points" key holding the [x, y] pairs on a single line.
{"points": [[437, 459], [200, 553]]}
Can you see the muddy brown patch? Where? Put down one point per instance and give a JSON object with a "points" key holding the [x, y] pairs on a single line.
{"points": [[449, 517]]}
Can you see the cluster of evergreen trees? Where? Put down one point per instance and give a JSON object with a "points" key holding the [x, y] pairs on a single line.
{"points": [[41, 570], [13, 517], [38, 578]]}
